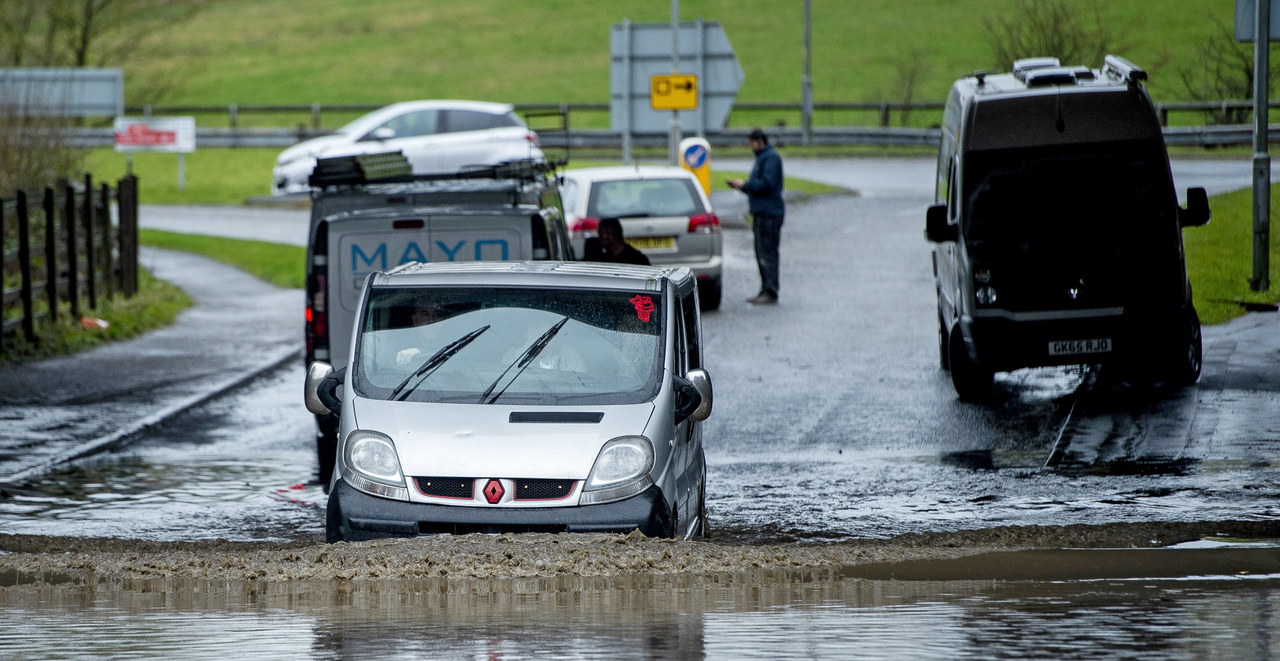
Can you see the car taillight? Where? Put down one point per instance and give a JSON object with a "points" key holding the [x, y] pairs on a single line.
{"points": [[531, 137], [706, 223], [580, 226]]}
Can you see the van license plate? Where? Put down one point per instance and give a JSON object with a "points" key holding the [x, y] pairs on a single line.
{"points": [[1069, 347], [652, 242]]}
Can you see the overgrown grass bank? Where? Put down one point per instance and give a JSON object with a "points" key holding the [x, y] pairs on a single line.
{"points": [[1220, 257], [156, 305]]}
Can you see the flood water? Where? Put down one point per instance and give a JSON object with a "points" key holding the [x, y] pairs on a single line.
{"points": [[1226, 617], [195, 480]]}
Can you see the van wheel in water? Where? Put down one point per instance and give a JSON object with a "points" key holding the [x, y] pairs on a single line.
{"points": [[944, 359], [704, 528], [709, 293], [1189, 363], [971, 380]]}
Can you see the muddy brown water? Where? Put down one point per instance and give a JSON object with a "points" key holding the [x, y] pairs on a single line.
{"points": [[1189, 590]]}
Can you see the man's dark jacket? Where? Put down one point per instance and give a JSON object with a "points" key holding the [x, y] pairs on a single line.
{"points": [[764, 186]]}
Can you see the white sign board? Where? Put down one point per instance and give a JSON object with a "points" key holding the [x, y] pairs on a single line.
{"points": [[163, 134], [63, 92]]}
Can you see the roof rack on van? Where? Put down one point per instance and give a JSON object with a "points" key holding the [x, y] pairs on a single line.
{"points": [[393, 167], [1027, 64], [1119, 69]]}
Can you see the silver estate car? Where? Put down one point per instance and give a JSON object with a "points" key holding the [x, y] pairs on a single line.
{"points": [[663, 211], [519, 397]]}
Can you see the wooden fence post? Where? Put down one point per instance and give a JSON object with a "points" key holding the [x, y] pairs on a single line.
{"points": [[90, 261], [127, 199], [73, 244], [24, 256], [104, 221], [50, 255]]}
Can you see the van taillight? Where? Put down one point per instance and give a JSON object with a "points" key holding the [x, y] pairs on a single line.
{"points": [[706, 223], [317, 321], [583, 225]]}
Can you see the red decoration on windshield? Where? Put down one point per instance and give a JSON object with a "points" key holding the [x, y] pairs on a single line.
{"points": [[644, 306]]}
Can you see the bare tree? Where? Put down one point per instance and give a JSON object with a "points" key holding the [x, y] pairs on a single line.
{"points": [[79, 33], [1223, 71], [34, 149], [1052, 28]]}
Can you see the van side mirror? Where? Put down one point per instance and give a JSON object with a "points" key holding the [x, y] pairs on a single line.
{"points": [[936, 227], [1196, 213], [319, 391], [693, 396]]}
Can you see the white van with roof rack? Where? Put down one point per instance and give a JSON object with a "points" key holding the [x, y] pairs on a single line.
{"points": [[1056, 228]]}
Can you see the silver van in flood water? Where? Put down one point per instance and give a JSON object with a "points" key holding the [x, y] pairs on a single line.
{"points": [[512, 397]]}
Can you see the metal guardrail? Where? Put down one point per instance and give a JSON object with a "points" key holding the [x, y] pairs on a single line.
{"points": [[884, 110], [1201, 136]]}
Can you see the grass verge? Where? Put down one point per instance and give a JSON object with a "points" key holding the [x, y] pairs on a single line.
{"points": [[1220, 257], [279, 264], [156, 305]]}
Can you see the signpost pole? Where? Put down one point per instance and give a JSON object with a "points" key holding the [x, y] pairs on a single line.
{"points": [[673, 132], [806, 84], [1261, 159]]}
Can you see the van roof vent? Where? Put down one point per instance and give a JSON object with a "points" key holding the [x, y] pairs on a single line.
{"points": [[1021, 67], [1118, 69], [1044, 76]]}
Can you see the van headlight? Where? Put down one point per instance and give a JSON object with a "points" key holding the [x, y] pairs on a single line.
{"points": [[621, 470], [370, 464]]}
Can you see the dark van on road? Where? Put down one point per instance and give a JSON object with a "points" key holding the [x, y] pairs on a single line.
{"points": [[1056, 228]]}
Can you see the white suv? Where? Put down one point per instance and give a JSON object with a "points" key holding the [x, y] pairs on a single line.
{"points": [[436, 137]]}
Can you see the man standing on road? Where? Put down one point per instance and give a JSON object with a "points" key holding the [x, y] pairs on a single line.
{"points": [[764, 194]]}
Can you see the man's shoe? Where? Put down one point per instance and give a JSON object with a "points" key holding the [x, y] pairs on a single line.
{"points": [[763, 299]]}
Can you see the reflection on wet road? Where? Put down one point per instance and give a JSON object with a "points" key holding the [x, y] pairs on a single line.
{"points": [[1207, 617]]}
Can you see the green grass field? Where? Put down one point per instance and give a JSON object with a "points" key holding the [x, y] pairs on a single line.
{"points": [[557, 51]]}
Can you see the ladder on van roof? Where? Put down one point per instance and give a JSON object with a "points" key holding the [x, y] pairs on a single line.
{"points": [[394, 167]]}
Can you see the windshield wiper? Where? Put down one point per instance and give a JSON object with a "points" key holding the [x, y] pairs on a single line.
{"points": [[522, 362], [435, 361]]}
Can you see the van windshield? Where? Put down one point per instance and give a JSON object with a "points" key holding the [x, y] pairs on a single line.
{"points": [[1102, 214], [510, 345]]}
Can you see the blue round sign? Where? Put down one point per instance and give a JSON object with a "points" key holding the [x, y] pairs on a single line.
{"points": [[695, 156]]}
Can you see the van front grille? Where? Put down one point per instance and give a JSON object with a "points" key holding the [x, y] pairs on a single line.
{"points": [[446, 487], [543, 489]]}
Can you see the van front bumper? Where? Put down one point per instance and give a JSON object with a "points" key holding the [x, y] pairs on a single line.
{"points": [[354, 516]]}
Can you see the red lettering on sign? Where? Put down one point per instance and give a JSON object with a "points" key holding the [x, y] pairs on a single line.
{"points": [[143, 135]]}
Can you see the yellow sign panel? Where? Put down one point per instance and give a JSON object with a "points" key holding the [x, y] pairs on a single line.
{"points": [[674, 92]]}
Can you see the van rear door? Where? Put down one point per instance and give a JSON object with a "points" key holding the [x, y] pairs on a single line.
{"points": [[360, 246]]}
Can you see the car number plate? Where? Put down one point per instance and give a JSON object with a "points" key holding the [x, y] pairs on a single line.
{"points": [[1069, 347], [652, 242]]}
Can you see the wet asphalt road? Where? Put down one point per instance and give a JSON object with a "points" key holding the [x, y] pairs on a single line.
{"points": [[832, 420]]}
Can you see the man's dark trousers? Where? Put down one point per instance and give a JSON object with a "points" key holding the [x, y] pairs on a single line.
{"points": [[767, 229]]}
